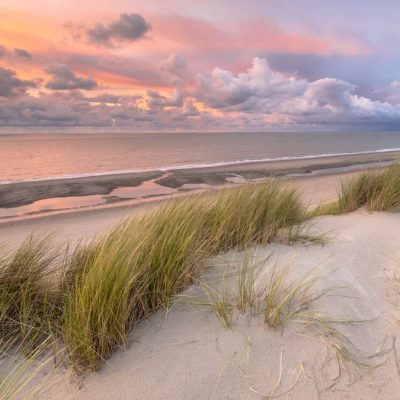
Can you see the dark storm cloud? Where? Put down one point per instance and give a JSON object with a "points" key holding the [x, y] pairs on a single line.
{"points": [[11, 85], [127, 28], [64, 79]]}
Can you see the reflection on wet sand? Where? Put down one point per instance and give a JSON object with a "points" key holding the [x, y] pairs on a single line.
{"points": [[111, 191], [52, 204], [125, 195]]}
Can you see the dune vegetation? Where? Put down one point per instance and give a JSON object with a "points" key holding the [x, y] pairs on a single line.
{"points": [[83, 301], [377, 190], [76, 304]]}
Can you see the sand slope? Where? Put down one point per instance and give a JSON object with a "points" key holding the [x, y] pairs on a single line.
{"points": [[187, 354]]}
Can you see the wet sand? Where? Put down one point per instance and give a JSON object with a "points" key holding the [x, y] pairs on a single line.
{"points": [[85, 224], [24, 193]]}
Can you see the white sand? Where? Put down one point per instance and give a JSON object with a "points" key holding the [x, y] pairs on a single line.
{"points": [[187, 354]]}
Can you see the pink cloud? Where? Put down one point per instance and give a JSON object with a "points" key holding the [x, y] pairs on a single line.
{"points": [[193, 34]]}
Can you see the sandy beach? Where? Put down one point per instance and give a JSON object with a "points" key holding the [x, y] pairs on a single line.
{"points": [[186, 353], [38, 198], [85, 224], [317, 180], [199, 200]]}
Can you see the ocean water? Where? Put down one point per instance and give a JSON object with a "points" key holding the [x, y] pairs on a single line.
{"points": [[25, 157]]}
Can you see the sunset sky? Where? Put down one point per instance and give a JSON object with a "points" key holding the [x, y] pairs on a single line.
{"points": [[201, 65]]}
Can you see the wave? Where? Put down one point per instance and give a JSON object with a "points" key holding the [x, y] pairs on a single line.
{"points": [[198, 166]]}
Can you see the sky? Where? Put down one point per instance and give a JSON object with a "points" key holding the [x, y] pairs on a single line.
{"points": [[200, 65]]}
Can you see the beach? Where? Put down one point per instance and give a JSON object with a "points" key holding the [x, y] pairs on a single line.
{"points": [[22, 193], [84, 224], [318, 180], [342, 342], [199, 200]]}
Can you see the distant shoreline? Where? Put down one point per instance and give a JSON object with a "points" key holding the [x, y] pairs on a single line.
{"points": [[103, 182], [43, 198], [317, 182], [201, 166]]}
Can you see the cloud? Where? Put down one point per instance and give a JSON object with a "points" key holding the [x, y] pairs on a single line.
{"points": [[127, 28], [22, 53], [289, 99], [175, 65], [53, 109], [11, 55], [382, 68], [189, 109], [224, 90], [11, 85], [258, 98], [156, 100], [70, 109], [123, 69], [64, 79]]}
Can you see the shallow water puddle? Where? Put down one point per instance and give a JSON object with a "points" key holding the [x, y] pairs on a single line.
{"points": [[121, 194], [52, 204]]}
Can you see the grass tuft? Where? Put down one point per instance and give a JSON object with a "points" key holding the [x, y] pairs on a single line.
{"points": [[285, 298], [303, 234], [90, 297], [219, 302], [377, 190], [270, 291], [246, 293], [30, 300]]}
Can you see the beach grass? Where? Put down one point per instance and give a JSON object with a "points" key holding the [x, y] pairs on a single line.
{"points": [[377, 190], [219, 301], [285, 298], [261, 288], [246, 293], [90, 297], [143, 262], [30, 299], [26, 369]]}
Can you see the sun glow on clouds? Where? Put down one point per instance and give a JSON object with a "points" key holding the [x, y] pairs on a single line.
{"points": [[154, 68]]}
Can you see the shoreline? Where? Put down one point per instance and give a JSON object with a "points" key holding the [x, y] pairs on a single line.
{"points": [[74, 226], [188, 167], [46, 199], [342, 280]]}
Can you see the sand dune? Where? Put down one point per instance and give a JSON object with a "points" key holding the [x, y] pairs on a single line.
{"points": [[187, 354]]}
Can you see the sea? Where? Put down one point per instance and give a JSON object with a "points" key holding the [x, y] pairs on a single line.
{"points": [[36, 156]]}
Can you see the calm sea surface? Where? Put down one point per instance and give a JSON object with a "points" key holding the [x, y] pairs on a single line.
{"points": [[46, 156]]}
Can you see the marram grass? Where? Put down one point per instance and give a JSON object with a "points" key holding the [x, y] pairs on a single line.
{"points": [[30, 300], [377, 190], [90, 297]]}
